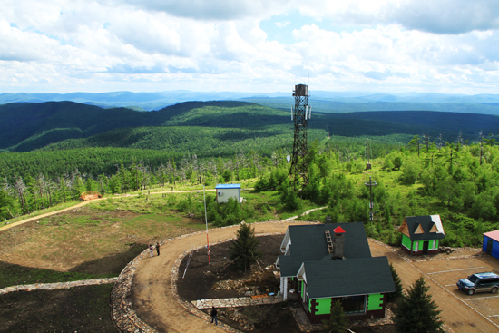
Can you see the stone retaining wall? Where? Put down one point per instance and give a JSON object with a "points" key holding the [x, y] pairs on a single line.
{"points": [[235, 302], [57, 285]]}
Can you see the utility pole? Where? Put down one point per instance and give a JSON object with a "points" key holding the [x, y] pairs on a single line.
{"points": [[371, 183]]}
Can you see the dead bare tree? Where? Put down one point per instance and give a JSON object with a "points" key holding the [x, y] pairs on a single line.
{"points": [[20, 188]]}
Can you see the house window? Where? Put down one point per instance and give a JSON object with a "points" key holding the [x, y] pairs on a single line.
{"points": [[354, 304]]}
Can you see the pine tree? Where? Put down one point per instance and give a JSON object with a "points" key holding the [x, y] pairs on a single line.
{"points": [[244, 250], [338, 322], [418, 313], [398, 285]]}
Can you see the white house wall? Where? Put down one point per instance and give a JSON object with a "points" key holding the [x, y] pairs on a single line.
{"points": [[228, 193]]}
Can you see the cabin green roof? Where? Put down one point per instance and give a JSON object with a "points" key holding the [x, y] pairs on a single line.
{"points": [[308, 243], [416, 224], [340, 278]]}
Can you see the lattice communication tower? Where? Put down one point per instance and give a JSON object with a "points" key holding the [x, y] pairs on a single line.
{"points": [[300, 115]]}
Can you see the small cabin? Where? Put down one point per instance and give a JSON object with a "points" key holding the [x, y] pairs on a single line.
{"points": [[491, 243], [227, 191], [421, 234], [324, 263]]}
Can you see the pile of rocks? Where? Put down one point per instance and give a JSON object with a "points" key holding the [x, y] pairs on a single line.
{"points": [[237, 316], [229, 285], [376, 322]]}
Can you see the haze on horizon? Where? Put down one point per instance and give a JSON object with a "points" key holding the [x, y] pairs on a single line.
{"points": [[389, 46]]}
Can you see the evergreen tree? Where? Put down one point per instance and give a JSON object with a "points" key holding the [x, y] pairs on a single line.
{"points": [[418, 313], [8, 205], [338, 322], [244, 250], [398, 285]]}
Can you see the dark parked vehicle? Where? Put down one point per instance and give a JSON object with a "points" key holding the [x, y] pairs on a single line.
{"points": [[478, 282]]}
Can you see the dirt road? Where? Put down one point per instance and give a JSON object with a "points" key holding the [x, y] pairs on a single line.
{"points": [[154, 303], [151, 290], [15, 224]]}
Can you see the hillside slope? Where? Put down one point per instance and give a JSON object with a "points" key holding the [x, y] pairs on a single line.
{"points": [[29, 126], [210, 126]]}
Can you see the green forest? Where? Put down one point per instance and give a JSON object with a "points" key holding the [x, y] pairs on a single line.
{"points": [[427, 174]]}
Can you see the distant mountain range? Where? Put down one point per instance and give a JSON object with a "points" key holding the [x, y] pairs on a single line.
{"points": [[213, 127], [322, 101]]}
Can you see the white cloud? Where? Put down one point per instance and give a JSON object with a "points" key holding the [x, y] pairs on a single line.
{"points": [[219, 45], [282, 24]]}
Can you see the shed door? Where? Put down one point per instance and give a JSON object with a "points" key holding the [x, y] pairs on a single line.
{"points": [[425, 246], [490, 243]]}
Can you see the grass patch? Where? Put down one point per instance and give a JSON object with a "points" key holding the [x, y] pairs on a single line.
{"points": [[13, 275], [57, 207]]}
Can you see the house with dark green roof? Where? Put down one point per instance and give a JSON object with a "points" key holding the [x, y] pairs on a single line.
{"points": [[421, 234], [326, 262]]}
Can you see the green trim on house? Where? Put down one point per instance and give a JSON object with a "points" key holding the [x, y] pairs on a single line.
{"points": [[323, 306], [302, 289], [418, 245], [375, 302], [406, 241]]}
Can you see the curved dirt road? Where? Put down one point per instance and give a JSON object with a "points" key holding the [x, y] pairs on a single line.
{"points": [[151, 289]]}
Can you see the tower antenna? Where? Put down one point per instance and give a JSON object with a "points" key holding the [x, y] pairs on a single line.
{"points": [[301, 114]]}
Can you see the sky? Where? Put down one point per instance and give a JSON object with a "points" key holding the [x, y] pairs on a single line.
{"points": [[256, 46]]}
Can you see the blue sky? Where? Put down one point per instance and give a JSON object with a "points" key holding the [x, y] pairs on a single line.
{"points": [[389, 46]]}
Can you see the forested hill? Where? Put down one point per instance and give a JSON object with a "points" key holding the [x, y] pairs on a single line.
{"points": [[427, 121], [211, 127], [29, 126]]}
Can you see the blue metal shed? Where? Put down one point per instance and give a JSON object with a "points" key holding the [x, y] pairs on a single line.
{"points": [[491, 243]]}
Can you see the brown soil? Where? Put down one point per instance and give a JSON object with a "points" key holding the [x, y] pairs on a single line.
{"points": [[219, 279], [78, 243], [69, 239], [83, 309], [201, 276]]}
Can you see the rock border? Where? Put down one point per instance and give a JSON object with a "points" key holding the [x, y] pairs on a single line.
{"points": [[57, 285]]}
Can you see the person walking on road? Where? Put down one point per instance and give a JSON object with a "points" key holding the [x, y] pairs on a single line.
{"points": [[157, 247], [150, 250], [213, 315]]}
